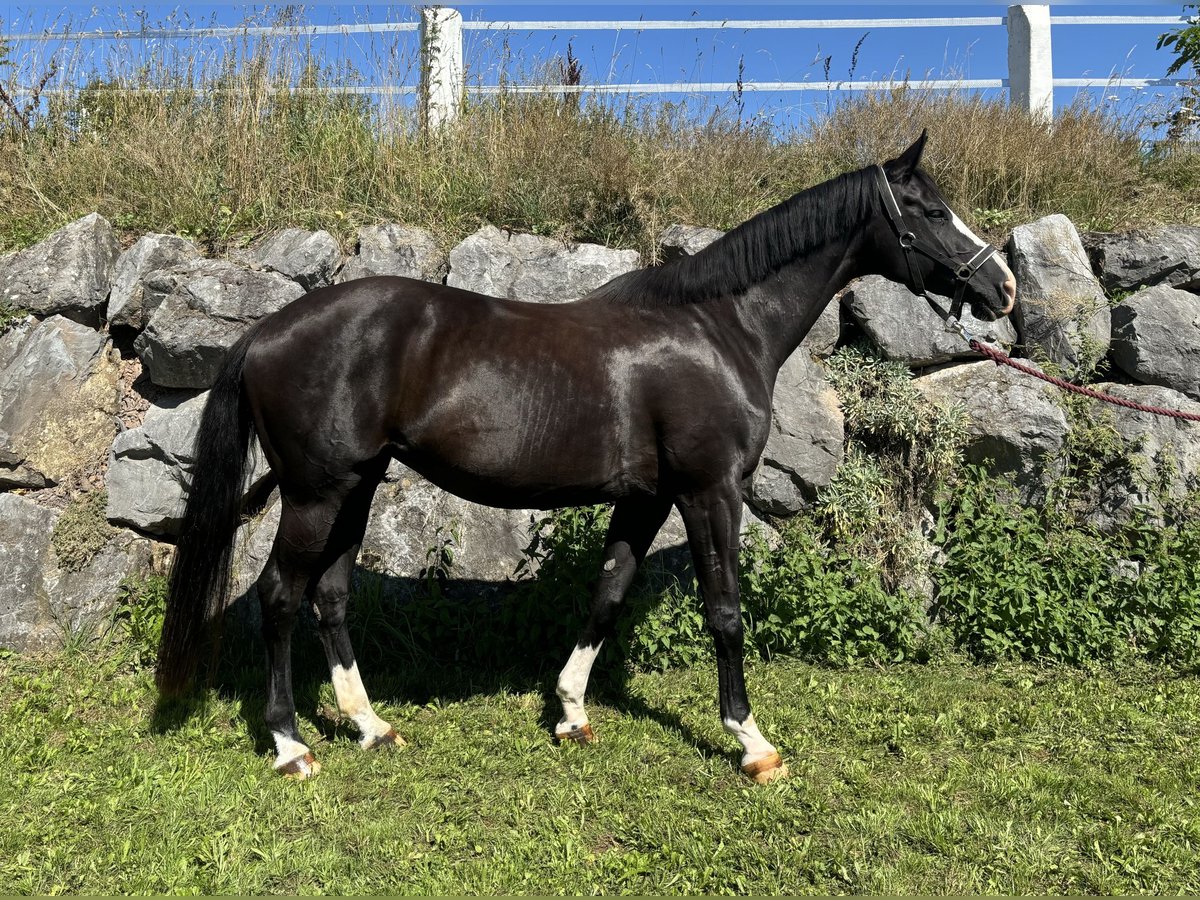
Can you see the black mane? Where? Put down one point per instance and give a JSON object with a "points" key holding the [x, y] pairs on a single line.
{"points": [[754, 250]]}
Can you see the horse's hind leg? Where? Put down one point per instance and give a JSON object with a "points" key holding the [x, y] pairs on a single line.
{"points": [[330, 600], [634, 524], [316, 535], [281, 588]]}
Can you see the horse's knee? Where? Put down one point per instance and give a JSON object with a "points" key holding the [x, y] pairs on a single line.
{"points": [[725, 626], [331, 612], [618, 561]]}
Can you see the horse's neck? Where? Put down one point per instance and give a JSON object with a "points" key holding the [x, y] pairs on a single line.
{"points": [[778, 312]]}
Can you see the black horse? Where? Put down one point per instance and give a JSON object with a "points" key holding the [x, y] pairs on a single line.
{"points": [[653, 390]]}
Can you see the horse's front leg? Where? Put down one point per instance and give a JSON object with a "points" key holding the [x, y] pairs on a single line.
{"points": [[713, 519], [634, 524]]}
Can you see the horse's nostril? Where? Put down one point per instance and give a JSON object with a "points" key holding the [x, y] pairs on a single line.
{"points": [[1010, 291]]}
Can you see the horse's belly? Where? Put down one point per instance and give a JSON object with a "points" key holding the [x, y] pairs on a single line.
{"points": [[498, 469], [544, 489]]}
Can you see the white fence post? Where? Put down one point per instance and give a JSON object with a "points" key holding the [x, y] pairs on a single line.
{"points": [[1030, 64], [441, 64]]}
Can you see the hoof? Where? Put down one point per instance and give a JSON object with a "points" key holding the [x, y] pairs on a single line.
{"points": [[391, 739], [767, 769], [300, 768], [583, 735]]}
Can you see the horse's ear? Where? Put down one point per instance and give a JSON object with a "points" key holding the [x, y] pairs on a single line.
{"points": [[906, 163]]}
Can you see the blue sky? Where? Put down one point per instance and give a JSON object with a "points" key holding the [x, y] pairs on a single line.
{"points": [[701, 55]]}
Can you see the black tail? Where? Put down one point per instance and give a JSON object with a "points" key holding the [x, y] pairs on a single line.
{"points": [[199, 584]]}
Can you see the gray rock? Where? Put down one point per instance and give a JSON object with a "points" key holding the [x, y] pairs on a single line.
{"points": [[685, 240], [1156, 338], [310, 258], [205, 307], [411, 519], [69, 273], [40, 602], [537, 269], [1169, 255], [150, 468], [25, 530], [13, 339], [806, 440], [395, 250], [1165, 454], [1061, 310], [904, 327], [822, 339], [253, 544], [128, 306], [58, 397], [1014, 419]]}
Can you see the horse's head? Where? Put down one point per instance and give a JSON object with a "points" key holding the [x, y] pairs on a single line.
{"points": [[920, 242]]}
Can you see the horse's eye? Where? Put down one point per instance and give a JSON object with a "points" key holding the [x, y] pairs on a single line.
{"points": [[936, 214]]}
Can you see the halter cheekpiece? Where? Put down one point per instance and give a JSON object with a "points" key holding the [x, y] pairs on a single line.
{"points": [[963, 272]]}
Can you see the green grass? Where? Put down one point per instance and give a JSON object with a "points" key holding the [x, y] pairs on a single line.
{"points": [[945, 778]]}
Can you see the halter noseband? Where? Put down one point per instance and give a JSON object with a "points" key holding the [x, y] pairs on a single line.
{"points": [[963, 272]]}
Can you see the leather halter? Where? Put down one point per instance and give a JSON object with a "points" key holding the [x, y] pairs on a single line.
{"points": [[963, 272]]}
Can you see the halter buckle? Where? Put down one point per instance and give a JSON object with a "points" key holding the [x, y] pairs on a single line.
{"points": [[954, 326], [964, 272], [908, 240]]}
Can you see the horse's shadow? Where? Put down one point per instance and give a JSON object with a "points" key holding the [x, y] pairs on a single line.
{"points": [[400, 664]]}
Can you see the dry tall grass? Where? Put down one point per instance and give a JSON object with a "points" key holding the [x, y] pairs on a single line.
{"points": [[231, 151]]}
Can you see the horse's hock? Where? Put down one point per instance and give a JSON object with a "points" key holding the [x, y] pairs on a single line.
{"points": [[60, 434]]}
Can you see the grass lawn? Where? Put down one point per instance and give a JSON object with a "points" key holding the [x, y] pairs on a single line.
{"points": [[943, 778]]}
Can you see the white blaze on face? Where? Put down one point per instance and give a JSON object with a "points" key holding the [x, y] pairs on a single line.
{"points": [[756, 746], [353, 702], [572, 685], [966, 232]]}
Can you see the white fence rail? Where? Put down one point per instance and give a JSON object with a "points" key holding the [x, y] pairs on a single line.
{"points": [[442, 87]]}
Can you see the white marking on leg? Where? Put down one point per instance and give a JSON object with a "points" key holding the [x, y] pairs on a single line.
{"points": [[756, 746], [290, 750], [353, 702], [572, 685]]}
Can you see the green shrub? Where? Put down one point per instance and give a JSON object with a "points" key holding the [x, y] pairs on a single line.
{"points": [[902, 451], [825, 604], [1016, 583], [10, 316]]}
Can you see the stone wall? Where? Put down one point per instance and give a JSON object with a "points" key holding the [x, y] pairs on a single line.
{"points": [[102, 384]]}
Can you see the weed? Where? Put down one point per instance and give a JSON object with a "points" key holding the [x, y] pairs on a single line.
{"points": [[141, 605], [903, 449], [81, 531], [10, 316]]}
